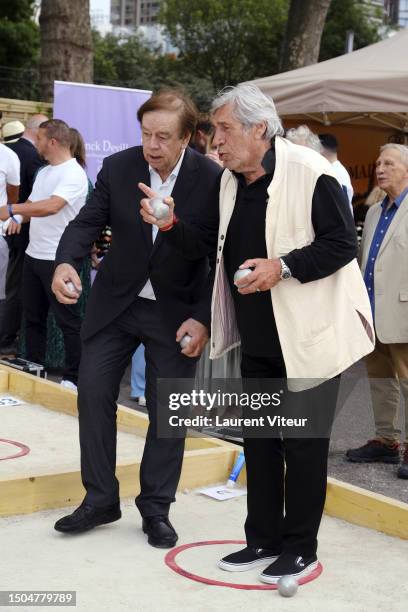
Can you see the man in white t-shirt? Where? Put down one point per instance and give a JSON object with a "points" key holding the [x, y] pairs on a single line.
{"points": [[59, 192], [9, 187], [330, 147]]}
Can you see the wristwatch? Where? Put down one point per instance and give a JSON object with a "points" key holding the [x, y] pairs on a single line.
{"points": [[285, 270]]}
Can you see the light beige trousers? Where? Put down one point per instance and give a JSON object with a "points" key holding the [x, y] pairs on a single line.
{"points": [[387, 368]]}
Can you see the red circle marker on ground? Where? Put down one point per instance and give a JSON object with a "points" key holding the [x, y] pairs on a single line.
{"points": [[24, 450], [170, 560]]}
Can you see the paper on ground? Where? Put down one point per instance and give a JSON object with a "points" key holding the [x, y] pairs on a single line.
{"points": [[222, 492], [8, 400]]}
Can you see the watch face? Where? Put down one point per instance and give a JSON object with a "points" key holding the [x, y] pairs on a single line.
{"points": [[286, 274]]}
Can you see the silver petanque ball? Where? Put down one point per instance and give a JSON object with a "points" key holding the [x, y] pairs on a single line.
{"points": [[160, 208], [71, 287], [186, 339], [287, 586], [242, 274]]}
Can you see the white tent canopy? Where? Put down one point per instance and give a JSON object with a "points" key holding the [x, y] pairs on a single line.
{"points": [[372, 82]]}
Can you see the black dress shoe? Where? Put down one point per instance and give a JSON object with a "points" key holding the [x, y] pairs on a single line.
{"points": [[374, 450], [403, 468], [87, 517], [160, 531]]}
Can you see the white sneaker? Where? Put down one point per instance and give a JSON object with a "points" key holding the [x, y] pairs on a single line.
{"points": [[68, 385], [142, 400]]}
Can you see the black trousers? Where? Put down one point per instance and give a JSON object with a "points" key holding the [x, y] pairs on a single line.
{"points": [[11, 322], [105, 357], [37, 299], [285, 506]]}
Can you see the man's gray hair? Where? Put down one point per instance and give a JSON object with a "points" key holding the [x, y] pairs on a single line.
{"points": [[303, 135], [250, 107], [402, 149], [34, 122]]}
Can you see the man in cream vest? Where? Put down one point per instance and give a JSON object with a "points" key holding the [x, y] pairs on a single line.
{"points": [[384, 259], [302, 314]]}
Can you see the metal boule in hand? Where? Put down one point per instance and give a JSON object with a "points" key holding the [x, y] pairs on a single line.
{"points": [[71, 287], [160, 208], [242, 274], [185, 341]]}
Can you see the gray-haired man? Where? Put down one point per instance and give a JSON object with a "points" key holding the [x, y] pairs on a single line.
{"points": [[383, 262], [282, 213]]}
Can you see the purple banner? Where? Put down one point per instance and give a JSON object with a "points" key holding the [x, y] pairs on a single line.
{"points": [[105, 116]]}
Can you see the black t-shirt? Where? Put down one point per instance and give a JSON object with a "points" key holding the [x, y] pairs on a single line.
{"points": [[245, 239]]}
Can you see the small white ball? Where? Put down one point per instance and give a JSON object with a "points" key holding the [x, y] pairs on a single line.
{"points": [[186, 339], [287, 586], [242, 274], [160, 209], [71, 287]]}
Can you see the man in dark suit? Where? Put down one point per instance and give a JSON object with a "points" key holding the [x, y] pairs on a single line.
{"points": [[30, 162], [145, 291]]}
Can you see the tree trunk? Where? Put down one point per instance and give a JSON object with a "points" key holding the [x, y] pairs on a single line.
{"points": [[303, 33], [66, 44]]}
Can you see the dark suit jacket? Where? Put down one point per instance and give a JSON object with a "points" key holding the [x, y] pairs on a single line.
{"points": [[30, 162], [182, 287]]}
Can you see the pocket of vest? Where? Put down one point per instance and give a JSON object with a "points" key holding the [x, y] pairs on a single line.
{"points": [[325, 335], [403, 295]]}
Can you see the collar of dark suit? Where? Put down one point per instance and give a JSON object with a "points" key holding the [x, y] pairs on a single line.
{"points": [[183, 185], [185, 179], [24, 142], [185, 182]]}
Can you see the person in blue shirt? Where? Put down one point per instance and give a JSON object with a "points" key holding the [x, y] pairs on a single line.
{"points": [[384, 264]]}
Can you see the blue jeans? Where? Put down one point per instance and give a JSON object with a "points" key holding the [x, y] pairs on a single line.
{"points": [[137, 377]]}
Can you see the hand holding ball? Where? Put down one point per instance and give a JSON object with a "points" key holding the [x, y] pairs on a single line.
{"points": [[161, 210], [71, 287], [242, 274], [185, 341]]}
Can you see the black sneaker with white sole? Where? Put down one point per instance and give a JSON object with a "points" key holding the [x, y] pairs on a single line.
{"points": [[247, 559], [289, 564]]}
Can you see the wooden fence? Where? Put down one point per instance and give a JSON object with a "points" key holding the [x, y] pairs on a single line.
{"points": [[22, 109]]}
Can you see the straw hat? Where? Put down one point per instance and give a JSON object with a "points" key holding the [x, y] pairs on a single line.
{"points": [[12, 131]]}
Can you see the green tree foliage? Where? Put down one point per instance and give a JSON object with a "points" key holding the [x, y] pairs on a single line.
{"points": [[128, 62], [123, 60], [347, 15], [19, 48], [221, 42], [173, 71], [226, 41]]}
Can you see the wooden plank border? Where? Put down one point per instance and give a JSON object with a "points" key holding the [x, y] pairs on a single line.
{"points": [[27, 494], [206, 461], [367, 509]]}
